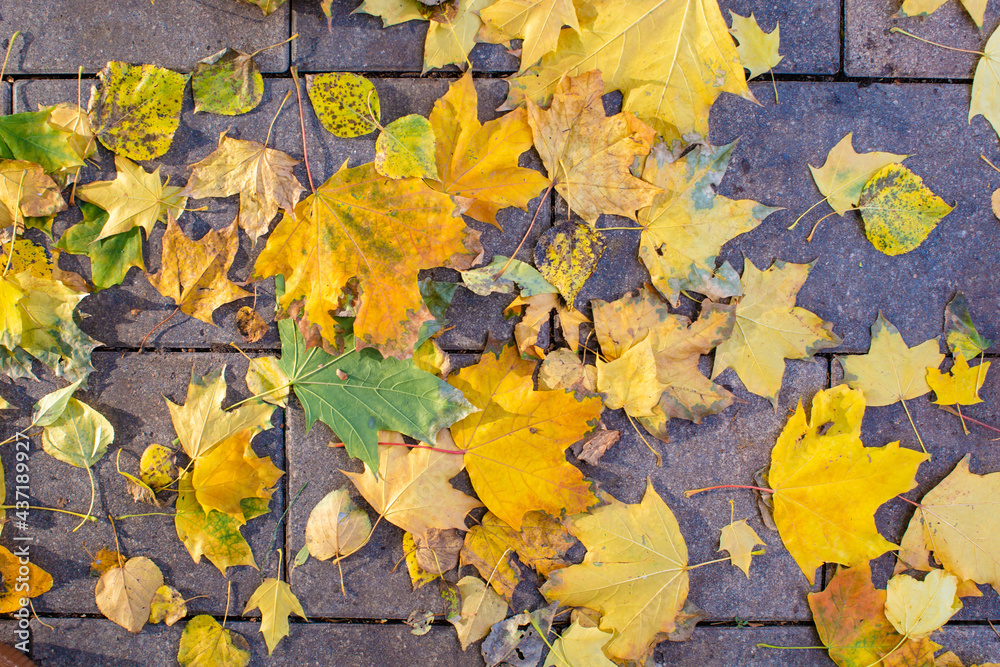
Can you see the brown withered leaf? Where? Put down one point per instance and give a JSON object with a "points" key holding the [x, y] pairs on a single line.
{"points": [[250, 324]]}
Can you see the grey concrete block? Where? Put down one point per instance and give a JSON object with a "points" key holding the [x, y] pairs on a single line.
{"points": [[810, 32], [851, 280], [974, 644], [61, 35], [727, 448], [129, 390], [737, 647], [359, 43], [870, 49]]}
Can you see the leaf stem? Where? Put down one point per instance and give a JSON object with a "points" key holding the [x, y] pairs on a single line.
{"points": [[775, 86], [281, 518], [792, 648], [541, 202], [708, 562], [118, 546], [86, 517], [274, 46], [816, 226], [302, 123], [10, 45], [270, 127], [688, 494], [915, 504], [162, 322], [93, 494], [910, 417], [957, 414], [989, 163], [927, 41], [659, 459]]}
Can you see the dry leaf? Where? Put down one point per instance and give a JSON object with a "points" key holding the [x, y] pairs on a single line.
{"points": [[276, 602], [758, 50], [167, 606], [124, 594], [845, 173], [961, 385], [918, 608], [205, 643], [481, 609], [899, 210], [336, 527]]}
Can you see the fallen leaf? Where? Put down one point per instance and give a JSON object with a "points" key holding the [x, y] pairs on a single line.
{"points": [[976, 8], [392, 12], [250, 324], [844, 174], [956, 521], [336, 527], [588, 155], [477, 163], [519, 432], [156, 466], [205, 643], [381, 231], [345, 103], [816, 464], [638, 586], [76, 121], [266, 7], [412, 489], [918, 608], [960, 331], [211, 534], [110, 257], [17, 584], [276, 602], [137, 110], [594, 446], [771, 328], [452, 33], [899, 210], [124, 593], [50, 407], [630, 381], [167, 606], [851, 622], [195, 273], [431, 358], [231, 472], [986, 82], [103, 561], [261, 176], [758, 50], [481, 609], [266, 378], [579, 646], [686, 225], [504, 275], [739, 539], [566, 255], [406, 148], [25, 191], [563, 369], [79, 436], [961, 385], [515, 642], [537, 22], [135, 198], [227, 83], [419, 621], [418, 575], [35, 137], [436, 551]]}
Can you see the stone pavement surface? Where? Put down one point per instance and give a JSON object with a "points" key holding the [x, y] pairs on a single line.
{"points": [[843, 71]]}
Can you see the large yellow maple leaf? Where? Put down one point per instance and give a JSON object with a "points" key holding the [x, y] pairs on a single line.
{"points": [[515, 447], [380, 230], [230, 472], [635, 573], [671, 59], [827, 485], [477, 162], [537, 22]]}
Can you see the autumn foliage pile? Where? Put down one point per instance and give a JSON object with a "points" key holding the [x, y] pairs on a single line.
{"points": [[358, 328]]}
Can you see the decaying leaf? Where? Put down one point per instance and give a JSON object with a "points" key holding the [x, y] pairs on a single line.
{"points": [[960, 331], [227, 83], [515, 642], [125, 592], [418, 575], [167, 606], [771, 328], [566, 255], [844, 174], [436, 551], [961, 385], [406, 148], [899, 210], [25, 191], [137, 110], [345, 103], [38, 581], [918, 608], [276, 602], [758, 50], [537, 22], [336, 527], [156, 466], [205, 643], [481, 609], [504, 275], [519, 432], [250, 324], [592, 448], [563, 369]]}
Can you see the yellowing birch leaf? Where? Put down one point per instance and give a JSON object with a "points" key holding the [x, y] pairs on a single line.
{"points": [[156, 466], [634, 573], [899, 210], [195, 273], [518, 434], [771, 328], [261, 176], [138, 109], [452, 33], [891, 371], [477, 162], [976, 8], [79, 436], [537, 22], [986, 83], [566, 255], [481, 609], [124, 594], [336, 527], [961, 385], [378, 230], [406, 149], [205, 643], [51, 406], [587, 154], [851, 622], [25, 190], [211, 534], [819, 462], [670, 59], [134, 199], [960, 331], [412, 489], [579, 646], [845, 173], [345, 103], [687, 224], [38, 581], [167, 606], [739, 539], [230, 472], [918, 608], [227, 83], [276, 602], [957, 521], [758, 50]]}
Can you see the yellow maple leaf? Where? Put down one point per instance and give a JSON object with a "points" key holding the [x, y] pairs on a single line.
{"points": [[961, 385], [276, 602], [771, 328], [379, 230], [211, 534], [477, 162], [536, 22], [452, 32], [635, 573], [36, 579], [630, 381], [230, 472], [514, 448], [818, 463], [976, 8], [758, 49], [739, 539], [587, 154], [195, 273]]}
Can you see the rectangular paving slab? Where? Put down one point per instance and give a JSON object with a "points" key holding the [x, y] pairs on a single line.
{"points": [[870, 49], [58, 36], [810, 32], [851, 281]]}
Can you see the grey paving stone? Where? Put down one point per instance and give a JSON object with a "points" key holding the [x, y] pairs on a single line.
{"points": [[737, 647], [129, 391], [372, 48], [974, 644], [870, 49], [810, 32], [851, 280], [942, 435], [61, 35], [727, 448]]}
